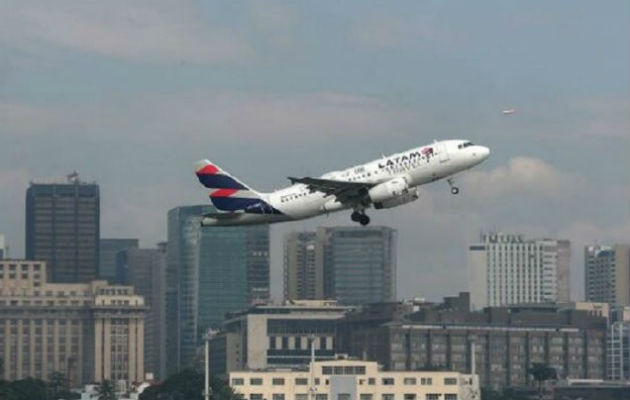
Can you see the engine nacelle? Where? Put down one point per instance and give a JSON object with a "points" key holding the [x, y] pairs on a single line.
{"points": [[388, 190], [407, 197]]}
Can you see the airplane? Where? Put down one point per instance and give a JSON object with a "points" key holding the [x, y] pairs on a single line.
{"points": [[388, 182]]}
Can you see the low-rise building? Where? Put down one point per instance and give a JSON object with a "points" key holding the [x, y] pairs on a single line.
{"points": [[346, 379], [90, 332]]}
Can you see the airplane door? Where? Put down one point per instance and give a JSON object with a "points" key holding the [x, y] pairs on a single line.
{"points": [[442, 153]]}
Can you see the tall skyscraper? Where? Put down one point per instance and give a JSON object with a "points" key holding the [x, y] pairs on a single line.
{"points": [[3, 248], [354, 265], [146, 272], [508, 269], [108, 250], [607, 274], [62, 228], [210, 271], [303, 267]]}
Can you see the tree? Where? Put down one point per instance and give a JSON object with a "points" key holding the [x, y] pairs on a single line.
{"points": [[188, 385], [106, 391], [541, 373], [57, 384]]}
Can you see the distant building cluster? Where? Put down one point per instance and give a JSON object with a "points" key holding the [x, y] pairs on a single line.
{"points": [[98, 309]]}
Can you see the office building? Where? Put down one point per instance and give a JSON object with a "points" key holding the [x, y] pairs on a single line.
{"points": [[146, 272], [62, 228], [90, 332], [4, 251], [607, 274], [271, 335], [303, 267], [499, 343], [108, 251], [509, 269], [618, 355], [210, 271], [346, 379]]}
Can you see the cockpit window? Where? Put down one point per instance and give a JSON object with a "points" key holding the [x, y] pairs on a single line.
{"points": [[464, 145]]}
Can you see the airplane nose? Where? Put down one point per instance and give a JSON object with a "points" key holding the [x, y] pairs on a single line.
{"points": [[484, 152]]}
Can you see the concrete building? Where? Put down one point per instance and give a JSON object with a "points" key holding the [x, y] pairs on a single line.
{"points": [[88, 331], [346, 379], [108, 251], [210, 271], [146, 272], [618, 344], [63, 228], [607, 274], [498, 343], [509, 269], [303, 267], [276, 335]]}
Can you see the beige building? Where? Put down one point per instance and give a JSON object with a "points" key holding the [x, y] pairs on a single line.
{"points": [[87, 331], [607, 274], [346, 379]]}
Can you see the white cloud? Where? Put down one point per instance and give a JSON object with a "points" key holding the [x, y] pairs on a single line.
{"points": [[157, 30]]}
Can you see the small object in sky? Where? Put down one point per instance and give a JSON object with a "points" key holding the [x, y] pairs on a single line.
{"points": [[509, 111]]}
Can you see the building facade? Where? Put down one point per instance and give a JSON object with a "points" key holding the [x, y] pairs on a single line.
{"points": [[276, 336], [509, 269], [4, 251], [499, 343], [146, 272], [90, 332], [618, 356], [607, 274], [303, 267], [346, 379], [210, 271], [108, 252], [63, 229]]}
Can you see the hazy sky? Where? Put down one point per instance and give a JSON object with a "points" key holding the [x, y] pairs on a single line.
{"points": [[131, 93]]}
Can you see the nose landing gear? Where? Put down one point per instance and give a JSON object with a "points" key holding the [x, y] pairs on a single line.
{"points": [[454, 189], [360, 217]]}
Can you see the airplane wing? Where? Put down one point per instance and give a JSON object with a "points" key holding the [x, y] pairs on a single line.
{"points": [[343, 191]]}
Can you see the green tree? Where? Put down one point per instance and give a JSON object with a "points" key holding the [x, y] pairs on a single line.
{"points": [[188, 385], [106, 391], [541, 373], [57, 385]]}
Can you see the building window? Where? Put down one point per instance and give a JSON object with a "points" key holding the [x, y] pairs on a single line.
{"points": [[450, 381], [388, 381], [343, 396], [409, 381], [410, 396], [450, 396], [327, 370], [432, 396], [365, 396], [321, 396], [426, 381], [277, 381], [272, 342], [322, 343], [298, 342], [277, 396], [301, 381], [238, 381], [301, 396], [285, 342], [371, 381], [387, 396], [255, 381], [256, 396]]}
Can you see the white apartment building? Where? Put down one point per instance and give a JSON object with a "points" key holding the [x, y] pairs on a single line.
{"points": [[347, 379], [509, 269]]}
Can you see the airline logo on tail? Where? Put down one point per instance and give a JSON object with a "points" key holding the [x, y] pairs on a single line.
{"points": [[230, 194]]}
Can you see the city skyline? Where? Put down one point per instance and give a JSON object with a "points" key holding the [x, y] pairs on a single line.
{"points": [[266, 85]]}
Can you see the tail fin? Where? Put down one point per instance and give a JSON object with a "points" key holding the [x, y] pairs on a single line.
{"points": [[230, 194]]}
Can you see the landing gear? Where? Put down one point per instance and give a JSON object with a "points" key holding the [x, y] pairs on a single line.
{"points": [[454, 189], [360, 217]]}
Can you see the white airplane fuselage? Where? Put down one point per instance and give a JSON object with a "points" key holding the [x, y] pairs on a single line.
{"points": [[410, 169]]}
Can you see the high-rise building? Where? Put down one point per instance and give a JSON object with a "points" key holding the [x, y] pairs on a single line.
{"points": [[108, 250], [62, 228], [607, 274], [146, 272], [359, 264], [508, 269], [354, 265], [210, 271], [4, 252], [303, 267], [90, 332]]}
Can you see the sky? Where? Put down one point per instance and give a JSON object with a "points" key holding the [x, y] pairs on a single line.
{"points": [[131, 94]]}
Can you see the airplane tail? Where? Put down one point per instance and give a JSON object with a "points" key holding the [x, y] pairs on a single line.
{"points": [[229, 193]]}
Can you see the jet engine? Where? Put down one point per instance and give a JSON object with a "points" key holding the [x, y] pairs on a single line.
{"points": [[388, 190], [407, 197]]}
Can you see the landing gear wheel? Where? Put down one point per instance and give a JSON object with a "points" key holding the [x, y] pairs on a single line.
{"points": [[454, 190], [356, 216], [364, 220]]}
